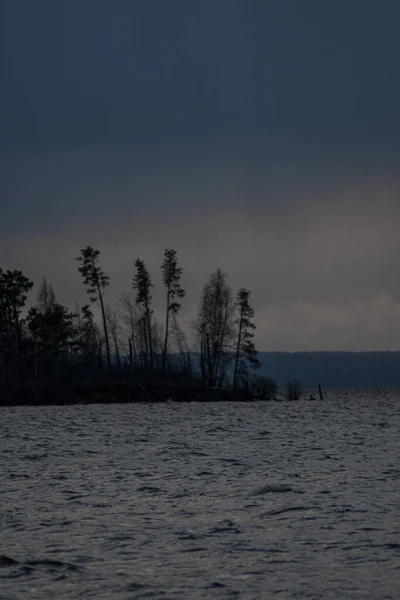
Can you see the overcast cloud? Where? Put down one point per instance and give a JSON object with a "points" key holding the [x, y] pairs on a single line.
{"points": [[261, 137]]}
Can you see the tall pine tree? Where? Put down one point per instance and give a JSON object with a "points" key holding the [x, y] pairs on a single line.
{"points": [[246, 353], [171, 275], [96, 281], [142, 284]]}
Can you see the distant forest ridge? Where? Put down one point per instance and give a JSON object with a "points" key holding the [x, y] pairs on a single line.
{"points": [[334, 369]]}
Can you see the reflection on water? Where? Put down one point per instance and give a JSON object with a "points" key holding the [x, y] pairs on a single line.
{"points": [[298, 500]]}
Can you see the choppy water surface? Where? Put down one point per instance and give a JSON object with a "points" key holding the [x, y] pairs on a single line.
{"points": [[230, 500]]}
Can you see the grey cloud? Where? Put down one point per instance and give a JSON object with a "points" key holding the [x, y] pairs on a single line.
{"points": [[321, 263], [362, 324], [147, 71], [260, 137]]}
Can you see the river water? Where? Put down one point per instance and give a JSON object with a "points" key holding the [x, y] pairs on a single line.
{"points": [[196, 500]]}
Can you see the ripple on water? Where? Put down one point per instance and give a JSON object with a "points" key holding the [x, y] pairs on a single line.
{"points": [[286, 500]]}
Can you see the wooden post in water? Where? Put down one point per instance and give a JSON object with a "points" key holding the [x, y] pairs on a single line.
{"points": [[321, 397]]}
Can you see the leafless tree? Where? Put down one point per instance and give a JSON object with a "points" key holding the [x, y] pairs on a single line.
{"points": [[182, 346], [214, 328], [113, 317], [157, 343], [130, 315]]}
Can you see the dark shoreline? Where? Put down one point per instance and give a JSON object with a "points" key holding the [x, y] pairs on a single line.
{"points": [[113, 392]]}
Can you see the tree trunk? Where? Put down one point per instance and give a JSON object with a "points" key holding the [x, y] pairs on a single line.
{"points": [[105, 330], [203, 361], [18, 331], [130, 354], [239, 341], [148, 319], [117, 354], [164, 353], [100, 356], [134, 351], [142, 345], [221, 338], [209, 361]]}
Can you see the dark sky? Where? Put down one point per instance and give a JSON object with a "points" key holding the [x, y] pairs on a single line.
{"points": [[260, 136]]}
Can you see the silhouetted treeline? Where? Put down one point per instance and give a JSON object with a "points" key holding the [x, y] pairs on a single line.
{"points": [[49, 342]]}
